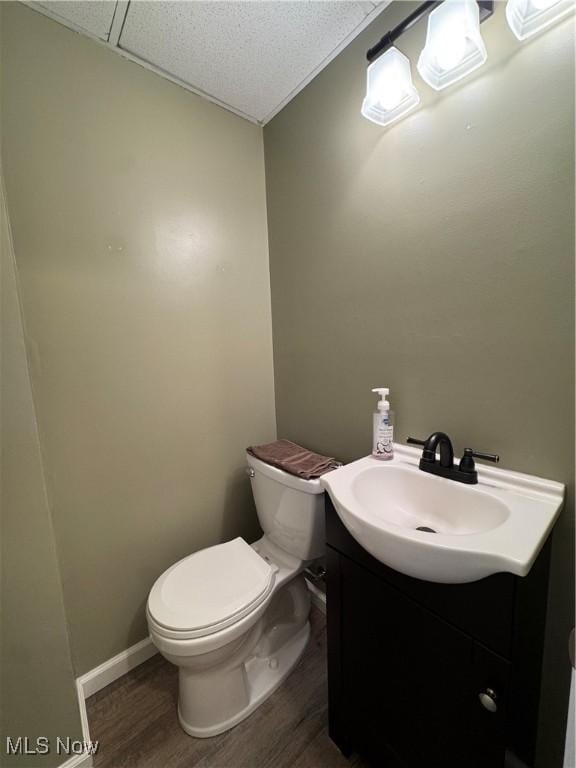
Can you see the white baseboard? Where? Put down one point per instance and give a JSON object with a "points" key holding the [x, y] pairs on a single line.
{"points": [[78, 761], [116, 667], [83, 760], [99, 678]]}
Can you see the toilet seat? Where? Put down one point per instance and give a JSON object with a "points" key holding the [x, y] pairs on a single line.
{"points": [[210, 590]]}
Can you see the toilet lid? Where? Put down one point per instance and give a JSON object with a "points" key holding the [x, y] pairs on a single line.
{"points": [[211, 589]]}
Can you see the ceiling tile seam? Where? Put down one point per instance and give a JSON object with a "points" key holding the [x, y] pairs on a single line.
{"points": [[118, 21]]}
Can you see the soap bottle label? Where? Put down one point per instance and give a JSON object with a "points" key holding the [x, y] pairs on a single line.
{"points": [[383, 447]]}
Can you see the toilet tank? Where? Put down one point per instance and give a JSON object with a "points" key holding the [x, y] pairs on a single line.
{"points": [[290, 509]]}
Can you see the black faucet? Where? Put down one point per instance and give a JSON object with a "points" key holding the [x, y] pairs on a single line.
{"points": [[465, 472]]}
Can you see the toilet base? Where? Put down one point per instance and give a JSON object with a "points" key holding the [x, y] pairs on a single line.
{"points": [[264, 676]]}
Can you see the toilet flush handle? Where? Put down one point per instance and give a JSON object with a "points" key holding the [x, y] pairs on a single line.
{"points": [[250, 472]]}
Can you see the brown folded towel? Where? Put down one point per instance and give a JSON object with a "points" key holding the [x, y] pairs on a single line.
{"points": [[294, 459]]}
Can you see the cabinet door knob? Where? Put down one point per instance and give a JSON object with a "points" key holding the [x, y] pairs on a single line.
{"points": [[488, 700]]}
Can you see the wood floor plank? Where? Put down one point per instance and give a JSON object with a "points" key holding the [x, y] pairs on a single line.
{"points": [[135, 721]]}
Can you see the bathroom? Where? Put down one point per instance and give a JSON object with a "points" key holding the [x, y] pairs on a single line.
{"points": [[209, 244]]}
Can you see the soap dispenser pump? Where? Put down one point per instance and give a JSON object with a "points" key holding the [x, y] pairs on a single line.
{"points": [[382, 428]]}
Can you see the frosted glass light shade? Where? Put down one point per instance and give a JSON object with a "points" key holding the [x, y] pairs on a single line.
{"points": [[527, 17], [390, 92], [454, 45]]}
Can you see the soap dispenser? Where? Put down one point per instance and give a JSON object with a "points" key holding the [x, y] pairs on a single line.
{"points": [[382, 429]]}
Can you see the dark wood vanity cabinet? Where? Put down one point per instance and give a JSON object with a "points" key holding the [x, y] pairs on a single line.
{"points": [[409, 659]]}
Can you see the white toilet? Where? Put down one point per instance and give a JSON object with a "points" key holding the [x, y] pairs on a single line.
{"points": [[234, 618]]}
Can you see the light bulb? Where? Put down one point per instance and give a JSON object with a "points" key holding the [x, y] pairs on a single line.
{"points": [[451, 47], [454, 45], [390, 93]]}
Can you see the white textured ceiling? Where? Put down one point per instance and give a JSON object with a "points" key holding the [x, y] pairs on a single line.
{"points": [[251, 56]]}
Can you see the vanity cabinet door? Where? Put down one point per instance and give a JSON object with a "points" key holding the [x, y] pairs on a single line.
{"points": [[411, 682]]}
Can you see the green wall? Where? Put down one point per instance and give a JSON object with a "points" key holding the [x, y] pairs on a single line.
{"points": [[139, 221], [38, 695], [436, 258], [37, 690]]}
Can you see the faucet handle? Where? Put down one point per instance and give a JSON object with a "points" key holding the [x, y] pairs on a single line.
{"points": [[415, 441], [467, 461], [493, 457]]}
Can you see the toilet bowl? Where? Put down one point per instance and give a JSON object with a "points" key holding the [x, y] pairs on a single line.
{"points": [[234, 617]]}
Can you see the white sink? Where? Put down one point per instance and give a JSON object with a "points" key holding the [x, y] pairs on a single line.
{"points": [[498, 525]]}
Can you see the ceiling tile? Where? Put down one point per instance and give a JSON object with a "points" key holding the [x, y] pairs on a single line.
{"points": [[94, 17], [251, 56]]}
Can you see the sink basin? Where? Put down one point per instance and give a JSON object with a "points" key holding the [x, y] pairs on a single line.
{"points": [[439, 530]]}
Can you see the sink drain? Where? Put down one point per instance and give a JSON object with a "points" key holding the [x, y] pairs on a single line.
{"points": [[425, 529]]}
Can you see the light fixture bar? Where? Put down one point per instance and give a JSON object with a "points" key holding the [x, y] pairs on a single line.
{"points": [[486, 10]]}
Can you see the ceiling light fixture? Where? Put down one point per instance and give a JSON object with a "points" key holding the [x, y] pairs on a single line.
{"points": [[390, 93], [454, 46], [527, 17]]}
